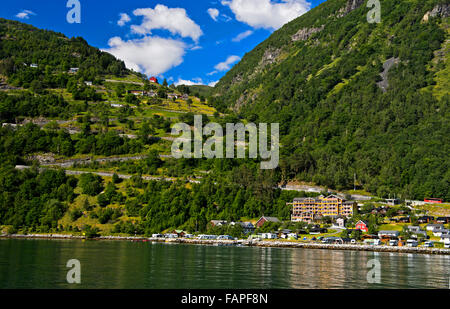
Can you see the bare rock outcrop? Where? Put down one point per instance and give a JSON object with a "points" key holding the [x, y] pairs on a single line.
{"points": [[270, 56], [305, 33], [351, 6], [440, 10], [384, 83]]}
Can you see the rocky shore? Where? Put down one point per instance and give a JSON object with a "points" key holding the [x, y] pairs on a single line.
{"points": [[246, 243]]}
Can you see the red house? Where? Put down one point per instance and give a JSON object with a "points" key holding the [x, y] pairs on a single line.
{"points": [[266, 219], [362, 226], [153, 80]]}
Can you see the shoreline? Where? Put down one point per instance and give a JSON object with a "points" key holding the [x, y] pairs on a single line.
{"points": [[243, 243]]}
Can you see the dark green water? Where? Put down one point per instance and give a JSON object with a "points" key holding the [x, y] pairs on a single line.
{"points": [[42, 264]]}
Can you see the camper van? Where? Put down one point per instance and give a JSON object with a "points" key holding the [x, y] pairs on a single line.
{"points": [[377, 242], [225, 237], [207, 237], [171, 236], [428, 244], [369, 242], [411, 243], [393, 243]]}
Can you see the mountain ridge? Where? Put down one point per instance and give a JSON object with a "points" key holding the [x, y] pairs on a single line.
{"points": [[353, 97]]}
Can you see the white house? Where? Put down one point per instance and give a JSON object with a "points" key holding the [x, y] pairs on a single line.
{"points": [[247, 227], [440, 232], [445, 239], [431, 227], [218, 222], [340, 222]]}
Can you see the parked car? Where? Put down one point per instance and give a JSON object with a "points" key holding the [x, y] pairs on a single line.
{"points": [[157, 236]]}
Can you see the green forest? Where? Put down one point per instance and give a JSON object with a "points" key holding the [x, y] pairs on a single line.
{"points": [[335, 121]]}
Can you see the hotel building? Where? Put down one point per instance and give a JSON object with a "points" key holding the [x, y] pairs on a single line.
{"points": [[308, 209]]}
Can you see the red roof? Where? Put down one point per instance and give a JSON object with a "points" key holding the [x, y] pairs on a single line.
{"points": [[153, 79]]}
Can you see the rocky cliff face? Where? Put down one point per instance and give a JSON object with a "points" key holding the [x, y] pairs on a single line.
{"points": [[350, 6], [440, 10], [305, 33]]}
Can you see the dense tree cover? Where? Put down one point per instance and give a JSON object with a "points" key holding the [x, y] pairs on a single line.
{"points": [[23, 45], [335, 121], [31, 105], [34, 200], [244, 191], [29, 139]]}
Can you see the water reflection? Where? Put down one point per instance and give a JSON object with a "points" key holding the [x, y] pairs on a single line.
{"points": [[42, 264]]}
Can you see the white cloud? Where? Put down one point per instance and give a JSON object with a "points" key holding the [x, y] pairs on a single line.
{"points": [[267, 13], [124, 18], [25, 14], [175, 20], [212, 84], [151, 55], [214, 13], [242, 36], [226, 65], [194, 81]]}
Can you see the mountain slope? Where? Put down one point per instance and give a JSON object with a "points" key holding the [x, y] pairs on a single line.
{"points": [[22, 45], [355, 98]]}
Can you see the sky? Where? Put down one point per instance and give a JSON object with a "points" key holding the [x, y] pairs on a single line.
{"points": [[186, 42]]}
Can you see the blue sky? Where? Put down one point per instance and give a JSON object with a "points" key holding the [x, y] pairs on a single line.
{"points": [[184, 41]]}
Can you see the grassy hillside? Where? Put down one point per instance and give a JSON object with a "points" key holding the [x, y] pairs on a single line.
{"points": [[353, 97]]}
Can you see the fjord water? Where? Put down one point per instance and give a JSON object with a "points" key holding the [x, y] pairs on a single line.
{"points": [[121, 264]]}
